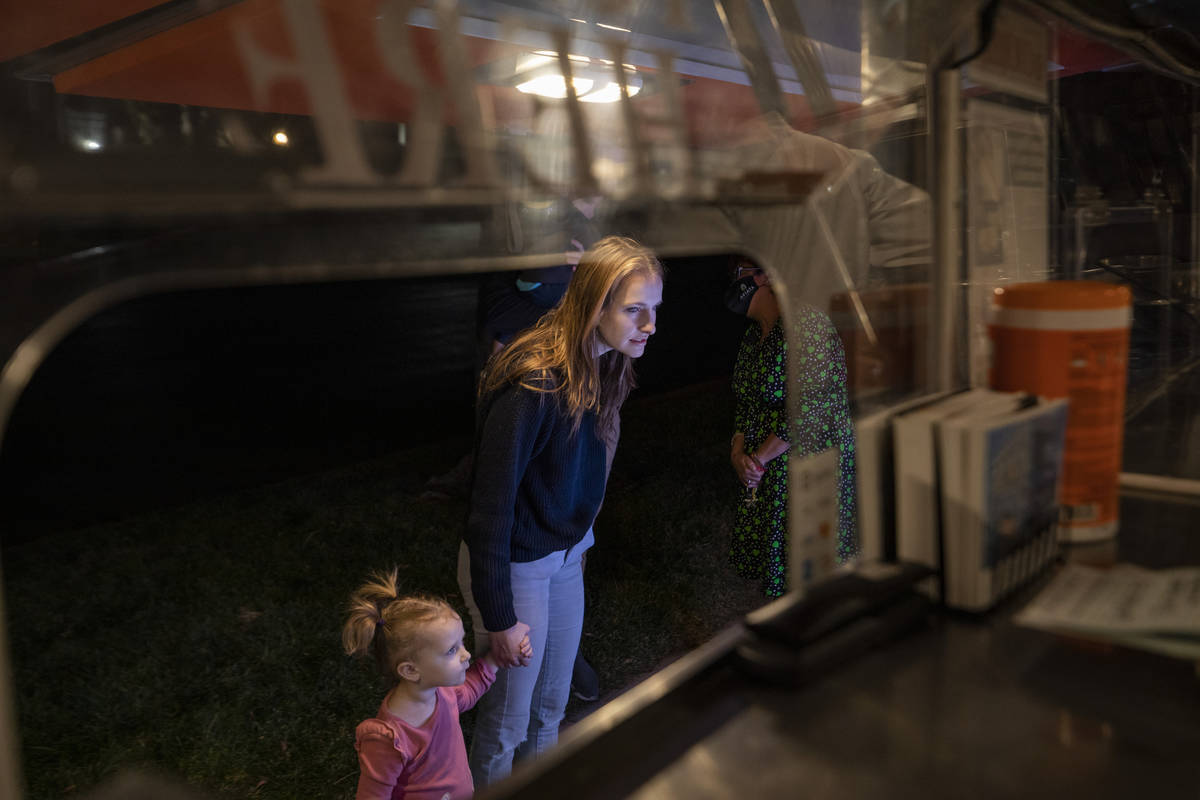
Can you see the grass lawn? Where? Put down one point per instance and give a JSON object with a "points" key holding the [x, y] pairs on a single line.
{"points": [[203, 641]]}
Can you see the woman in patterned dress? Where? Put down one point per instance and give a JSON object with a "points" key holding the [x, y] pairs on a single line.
{"points": [[762, 436]]}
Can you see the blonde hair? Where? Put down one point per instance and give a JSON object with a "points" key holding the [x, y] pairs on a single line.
{"points": [[391, 625], [558, 354]]}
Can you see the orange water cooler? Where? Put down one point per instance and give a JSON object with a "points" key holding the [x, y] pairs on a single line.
{"points": [[1071, 339]]}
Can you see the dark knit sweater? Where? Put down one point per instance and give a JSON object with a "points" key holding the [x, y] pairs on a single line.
{"points": [[537, 488]]}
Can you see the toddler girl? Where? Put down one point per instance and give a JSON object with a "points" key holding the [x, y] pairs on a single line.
{"points": [[413, 747]]}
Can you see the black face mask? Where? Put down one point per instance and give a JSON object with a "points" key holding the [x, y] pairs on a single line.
{"points": [[739, 293]]}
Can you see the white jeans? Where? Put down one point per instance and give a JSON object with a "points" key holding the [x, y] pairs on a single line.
{"points": [[520, 714]]}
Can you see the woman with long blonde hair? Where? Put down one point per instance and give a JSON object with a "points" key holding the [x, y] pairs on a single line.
{"points": [[548, 416]]}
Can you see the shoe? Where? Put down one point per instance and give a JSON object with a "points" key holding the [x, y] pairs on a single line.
{"points": [[585, 683]]}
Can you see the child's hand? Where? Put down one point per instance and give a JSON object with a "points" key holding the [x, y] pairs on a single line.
{"points": [[505, 645], [525, 648], [525, 655]]}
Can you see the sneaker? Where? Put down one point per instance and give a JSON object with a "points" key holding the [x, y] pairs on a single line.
{"points": [[585, 683]]}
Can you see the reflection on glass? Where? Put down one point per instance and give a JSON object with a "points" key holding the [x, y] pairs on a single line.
{"points": [[252, 143]]}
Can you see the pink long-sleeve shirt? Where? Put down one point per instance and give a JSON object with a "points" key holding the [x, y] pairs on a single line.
{"points": [[398, 761]]}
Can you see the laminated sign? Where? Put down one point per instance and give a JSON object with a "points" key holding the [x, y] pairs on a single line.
{"points": [[812, 518]]}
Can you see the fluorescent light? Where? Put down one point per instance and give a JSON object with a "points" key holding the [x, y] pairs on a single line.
{"points": [[90, 144], [613, 28], [553, 86]]}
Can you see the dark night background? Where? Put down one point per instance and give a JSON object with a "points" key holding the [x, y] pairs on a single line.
{"points": [[179, 396]]}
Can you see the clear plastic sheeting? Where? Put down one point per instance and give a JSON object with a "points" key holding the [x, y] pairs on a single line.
{"points": [[148, 149], [844, 249], [887, 162], [418, 138]]}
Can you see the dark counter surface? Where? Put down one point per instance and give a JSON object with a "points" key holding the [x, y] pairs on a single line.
{"points": [[962, 709], [959, 707]]}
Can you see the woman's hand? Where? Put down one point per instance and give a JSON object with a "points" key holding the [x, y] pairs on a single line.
{"points": [[748, 472], [510, 648], [751, 466]]}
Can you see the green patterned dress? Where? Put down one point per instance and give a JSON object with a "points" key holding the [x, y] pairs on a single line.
{"points": [[760, 386]]}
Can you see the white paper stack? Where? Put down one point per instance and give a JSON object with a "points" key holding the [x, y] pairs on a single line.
{"points": [[1155, 610]]}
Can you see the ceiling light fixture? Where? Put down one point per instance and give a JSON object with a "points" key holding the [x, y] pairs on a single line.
{"points": [[538, 73], [609, 93], [554, 87]]}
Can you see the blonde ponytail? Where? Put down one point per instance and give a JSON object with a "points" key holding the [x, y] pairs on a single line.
{"points": [[379, 619]]}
